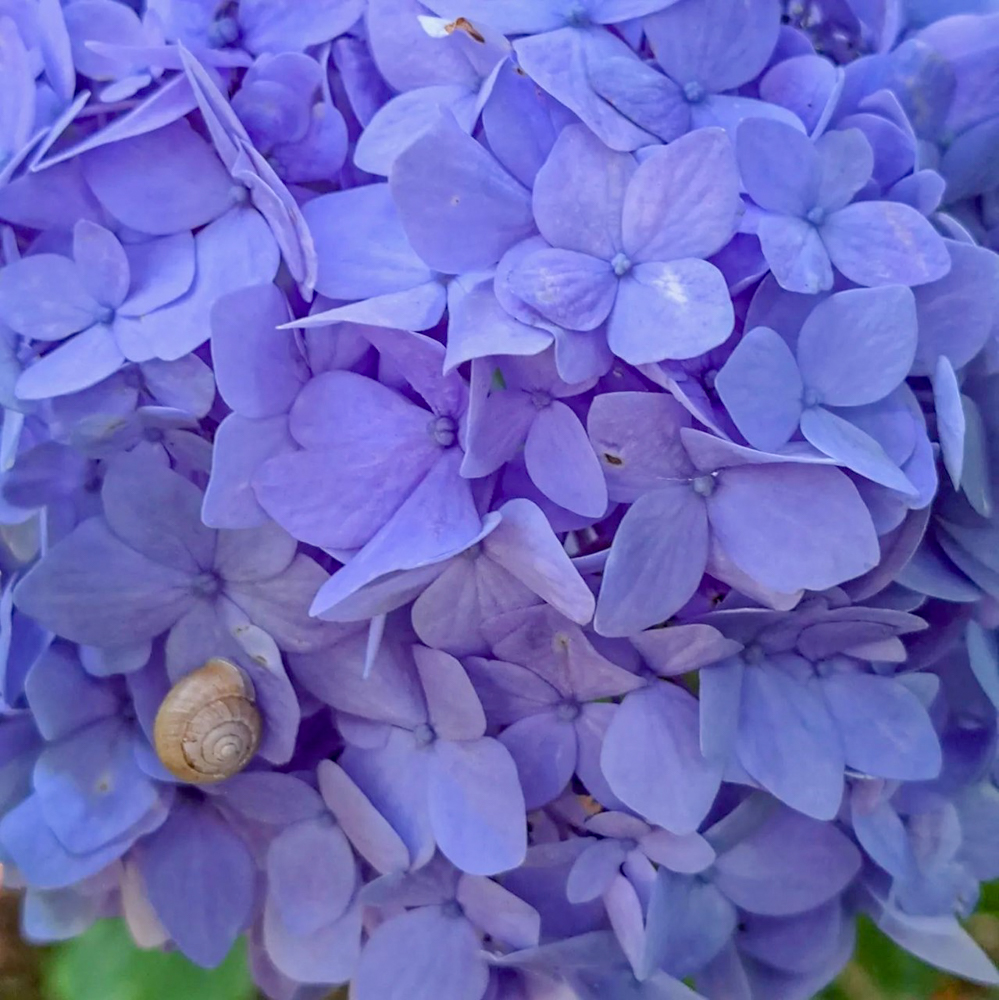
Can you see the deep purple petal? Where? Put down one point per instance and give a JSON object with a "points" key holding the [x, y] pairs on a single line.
{"points": [[93, 588]]}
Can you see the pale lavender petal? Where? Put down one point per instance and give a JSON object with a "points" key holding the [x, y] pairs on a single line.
{"points": [[791, 864], [94, 589], [579, 194], [562, 463], [453, 707], [568, 288], [656, 562], [90, 788], [394, 779], [761, 388], [594, 870], [156, 511], [857, 346], [652, 758], [884, 243], [720, 44], [682, 648], [43, 297], [259, 368], [789, 743], [327, 955], [637, 437], [545, 751], [852, 448], [459, 208], [497, 911], [675, 310], [311, 874], [421, 955], [476, 806], [527, 548], [810, 528], [847, 163], [161, 182], [76, 364], [102, 263], [241, 447], [162, 270], [683, 201], [442, 501], [559, 62], [796, 254], [884, 728], [367, 829], [362, 248]]}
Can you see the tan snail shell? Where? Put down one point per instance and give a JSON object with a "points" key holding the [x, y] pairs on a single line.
{"points": [[207, 728]]}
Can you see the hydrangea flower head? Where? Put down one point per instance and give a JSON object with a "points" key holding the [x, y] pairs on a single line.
{"points": [[498, 497]]}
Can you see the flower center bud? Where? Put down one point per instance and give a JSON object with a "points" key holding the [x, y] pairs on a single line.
{"points": [[694, 92], [811, 397], [703, 485], [541, 399], [816, 216], [621, 264], [206, 585], [567, 711], [424, 734], [444, 431], [225, 31]]}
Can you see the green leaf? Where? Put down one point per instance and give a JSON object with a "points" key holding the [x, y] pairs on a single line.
{"points": [[990, 899], [104, 964]]}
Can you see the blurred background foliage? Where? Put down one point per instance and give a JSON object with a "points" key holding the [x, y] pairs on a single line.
{"points": [[104, 965]]}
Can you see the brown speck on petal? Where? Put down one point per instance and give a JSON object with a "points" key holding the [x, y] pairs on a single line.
{"points": [[463, 24]]}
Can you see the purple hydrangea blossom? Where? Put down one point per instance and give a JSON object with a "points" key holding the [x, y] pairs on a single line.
{"points": [[575, 424]]}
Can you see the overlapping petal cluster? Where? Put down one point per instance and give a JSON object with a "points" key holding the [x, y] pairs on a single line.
{"points": [[575, 422]]}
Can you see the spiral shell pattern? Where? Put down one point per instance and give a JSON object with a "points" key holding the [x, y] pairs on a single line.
{"points": [[208, 728]]}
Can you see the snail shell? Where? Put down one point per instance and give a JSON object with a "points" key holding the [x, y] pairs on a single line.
{"points": [[207, 728]]}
